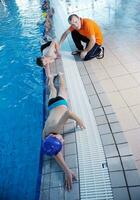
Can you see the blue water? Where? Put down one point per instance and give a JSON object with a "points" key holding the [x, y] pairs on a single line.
{"points": [[21, 100]]}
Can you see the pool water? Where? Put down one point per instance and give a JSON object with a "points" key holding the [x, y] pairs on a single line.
{"points": [[21, 99]]}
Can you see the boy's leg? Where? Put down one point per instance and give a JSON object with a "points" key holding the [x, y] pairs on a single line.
{"points": [[53, 92], [62, 90]]}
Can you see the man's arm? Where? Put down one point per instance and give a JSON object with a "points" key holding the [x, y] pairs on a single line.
{"points": [[69, 175], [91, 43], [63, 37], [77, 119]]}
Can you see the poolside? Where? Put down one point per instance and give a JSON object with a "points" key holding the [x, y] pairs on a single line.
{"points": [[108, 83], [110, 88]]}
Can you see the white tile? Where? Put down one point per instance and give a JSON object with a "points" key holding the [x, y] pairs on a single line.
{"points": [[108, 85], [116, 100], [136, 76], [136, 112], [133, 138], [126, 119], [124, 82], [116, 70], [93, 65], [100, 74], [131, 96], [133, 66], [108, 60], [124, 55]]}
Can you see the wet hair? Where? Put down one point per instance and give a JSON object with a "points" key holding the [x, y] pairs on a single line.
{"points": [[71, 16], [39, 61]]}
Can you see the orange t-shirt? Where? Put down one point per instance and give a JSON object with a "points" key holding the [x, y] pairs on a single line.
{"points": [[89, 28]]}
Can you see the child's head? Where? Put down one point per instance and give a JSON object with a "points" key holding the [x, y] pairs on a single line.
{"points": [[39, 61], [50, 55], [52, 144], [44, 61]]}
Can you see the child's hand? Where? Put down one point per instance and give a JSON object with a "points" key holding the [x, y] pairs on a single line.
{"points": [[69, 177], [80, 124]]}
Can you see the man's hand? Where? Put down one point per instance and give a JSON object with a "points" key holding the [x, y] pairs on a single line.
{"points": [[83, 54], [69, 177]]}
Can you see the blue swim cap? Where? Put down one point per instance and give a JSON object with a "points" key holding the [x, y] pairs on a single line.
{"points": [[51, 146]]}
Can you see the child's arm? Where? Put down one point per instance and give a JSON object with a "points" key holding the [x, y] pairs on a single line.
{"points": [[77, 119], [47, 70], [69, 175]]}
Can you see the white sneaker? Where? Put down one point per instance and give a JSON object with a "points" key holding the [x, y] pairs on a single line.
{"points": [[101, 54]]}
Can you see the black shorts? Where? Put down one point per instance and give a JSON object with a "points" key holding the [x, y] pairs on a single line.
{"points": [[53, 100], [45, 45], [57, 101]]}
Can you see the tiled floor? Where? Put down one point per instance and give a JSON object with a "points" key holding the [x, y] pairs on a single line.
{"points": [[116, 78], [113, 87]]}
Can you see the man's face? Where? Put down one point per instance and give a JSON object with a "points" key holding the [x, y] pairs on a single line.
{"points": [[75, 22]]}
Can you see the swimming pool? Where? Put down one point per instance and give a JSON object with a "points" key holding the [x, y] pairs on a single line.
{"points": [[21, 99]]}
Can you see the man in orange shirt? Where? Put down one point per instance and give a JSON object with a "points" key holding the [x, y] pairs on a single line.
{"points": [[87, 31]]}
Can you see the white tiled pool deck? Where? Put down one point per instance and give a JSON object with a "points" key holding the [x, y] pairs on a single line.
{"points": [[113, 89]]}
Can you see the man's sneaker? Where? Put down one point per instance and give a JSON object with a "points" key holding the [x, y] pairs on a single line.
{"points": [[76, 52], [101, 54]]}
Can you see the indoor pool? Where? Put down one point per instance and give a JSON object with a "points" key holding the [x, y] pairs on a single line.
{"points": [[21, 99]]}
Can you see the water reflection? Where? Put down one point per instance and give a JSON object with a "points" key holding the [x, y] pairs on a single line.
{"points": [[29, 13]]}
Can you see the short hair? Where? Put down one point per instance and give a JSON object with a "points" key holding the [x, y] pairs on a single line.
{"points": [[39, 61], [71, 16]]}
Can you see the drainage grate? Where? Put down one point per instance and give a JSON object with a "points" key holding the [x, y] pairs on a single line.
{"points": [[94, 177]]}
